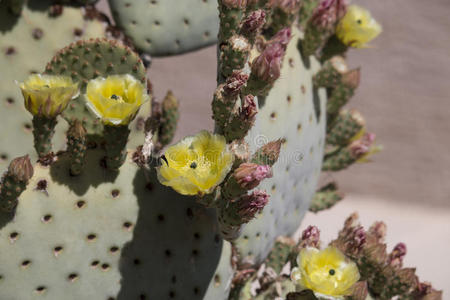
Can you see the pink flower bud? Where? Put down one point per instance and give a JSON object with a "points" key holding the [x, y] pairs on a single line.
{"points": [[397, 255], [378, 230], [254, 22], [234, 83], [310, 237], [252, 204], [359, 238], [328, 13], [267, 66], [362, 146], [282, 37], [249, 175], [249, 109]]}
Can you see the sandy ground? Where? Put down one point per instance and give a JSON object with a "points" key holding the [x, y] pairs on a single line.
{"points": [[404, 96]]}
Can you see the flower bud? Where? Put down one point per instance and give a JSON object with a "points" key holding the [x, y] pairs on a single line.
{"points": [[361, 147], [234, 83], [282, 37], [252, 204], [249, 175], [253, 23], [397, 255], [21, 169], [328, 13], [352, 78], [378, 231], [249, 109], [310, 237], [267, 66], [268, 154]]}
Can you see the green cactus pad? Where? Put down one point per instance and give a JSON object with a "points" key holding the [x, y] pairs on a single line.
{"points": [[26, 45], [132, 237], [167, 27], [295, 112], [85, 60]]}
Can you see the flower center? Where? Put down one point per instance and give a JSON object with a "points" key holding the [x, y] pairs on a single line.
{"points": [[332, 272], [193, 165]]}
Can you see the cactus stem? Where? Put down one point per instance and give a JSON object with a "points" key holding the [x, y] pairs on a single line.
{"points": [[116, 140], [76, 146], [43, 131]]}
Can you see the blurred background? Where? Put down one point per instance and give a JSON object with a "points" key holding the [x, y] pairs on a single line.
{"points": [[405, 97]]}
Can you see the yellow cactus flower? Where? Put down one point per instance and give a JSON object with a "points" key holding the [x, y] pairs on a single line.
{"points": [[196, 165], [357, 27], [328, 273], [116, 99], [48, 95]]}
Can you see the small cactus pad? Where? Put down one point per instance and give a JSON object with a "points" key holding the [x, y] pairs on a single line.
{"points": [[123, 231], [85, 60], [167, 27], [293, 111], [26, 44]]}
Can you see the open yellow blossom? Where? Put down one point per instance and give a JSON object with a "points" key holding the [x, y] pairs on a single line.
{"points": [[48, 95], [116, 99], [328, 273], [357, 27], [196, 165]]}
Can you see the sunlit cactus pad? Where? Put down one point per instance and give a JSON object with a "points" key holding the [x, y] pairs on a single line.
{"points": [[106, 235], [26, 44], [294, 112], [165, 27]]}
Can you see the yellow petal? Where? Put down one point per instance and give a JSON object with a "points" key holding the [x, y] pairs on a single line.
{"points": [[357, 27]]}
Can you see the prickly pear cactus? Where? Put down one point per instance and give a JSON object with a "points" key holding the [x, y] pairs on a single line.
{"points": [[293, 111], [27, 42], [98, 212], [167, 27]]}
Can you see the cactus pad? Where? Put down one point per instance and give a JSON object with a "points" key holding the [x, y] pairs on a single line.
{"points": [[131, 236], [165, 27], [26, 45], [293, 111]]}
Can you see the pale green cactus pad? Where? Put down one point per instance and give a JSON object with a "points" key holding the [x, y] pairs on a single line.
{"points": [[294, 112], [26, 44], [106, 235], [165, 27]]}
